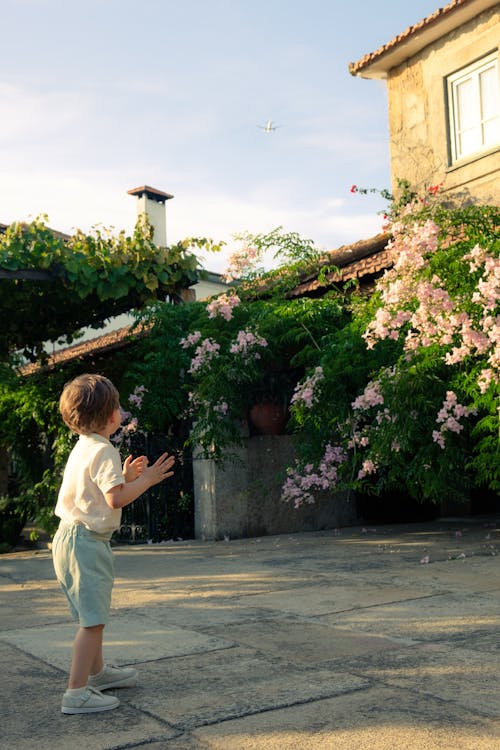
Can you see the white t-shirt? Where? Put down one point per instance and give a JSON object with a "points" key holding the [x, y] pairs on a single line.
{"points": [[94, 467]]}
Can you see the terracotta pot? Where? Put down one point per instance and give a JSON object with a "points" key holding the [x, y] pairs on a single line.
{"points": [[268, 418]]}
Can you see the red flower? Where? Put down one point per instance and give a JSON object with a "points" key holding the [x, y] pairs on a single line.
{"points": [[354, 189], [434, 189]]}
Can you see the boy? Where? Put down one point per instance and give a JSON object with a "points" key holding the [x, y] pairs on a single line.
{"points": [[94, 489]]}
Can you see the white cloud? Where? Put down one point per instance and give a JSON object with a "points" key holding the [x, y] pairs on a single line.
{"points": [[69, 202], [37, 116]]}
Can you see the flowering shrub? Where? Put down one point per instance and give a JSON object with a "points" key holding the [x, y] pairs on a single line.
{"points": [[426, 418], [204, 353], [246, 344], [255, 354], [398, 390], [221, 372]]}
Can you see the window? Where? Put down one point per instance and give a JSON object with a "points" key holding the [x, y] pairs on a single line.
{"points": [[474, 108]]}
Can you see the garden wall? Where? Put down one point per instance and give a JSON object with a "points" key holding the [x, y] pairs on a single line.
{"points": [[243, 498]]}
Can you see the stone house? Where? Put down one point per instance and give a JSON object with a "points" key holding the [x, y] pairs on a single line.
{"points": [[443, 88]]}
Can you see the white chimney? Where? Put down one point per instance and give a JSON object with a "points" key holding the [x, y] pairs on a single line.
{"points": [[152, 203]]}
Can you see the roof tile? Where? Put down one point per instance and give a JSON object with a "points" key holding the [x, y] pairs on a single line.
{"points": [[355, 67]]}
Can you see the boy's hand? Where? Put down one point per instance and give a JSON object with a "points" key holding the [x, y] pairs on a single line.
{"points": [[133, 468], [124, 494], [160, 470]]}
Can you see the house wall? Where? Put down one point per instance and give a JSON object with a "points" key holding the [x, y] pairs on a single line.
{"points": [[208, 287], [418, 119], [200, 291]]}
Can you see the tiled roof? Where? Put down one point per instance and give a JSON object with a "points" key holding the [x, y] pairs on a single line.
{"points": [[425, 24], [361, 260], [91, 347]]}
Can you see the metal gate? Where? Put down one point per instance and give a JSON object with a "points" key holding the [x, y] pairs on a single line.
{"points": [[166, 511]]}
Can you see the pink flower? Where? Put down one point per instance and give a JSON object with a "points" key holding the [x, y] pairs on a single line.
{"points": [[305, 393], [448, 417], [190, 340], [223, 306], [221, 408], [300, 485], [368, 467], [246, 343], [204, 353], [371, 396], [241, 263]]}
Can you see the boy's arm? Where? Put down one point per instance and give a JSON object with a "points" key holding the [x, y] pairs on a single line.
{"points": [[124, 494]]}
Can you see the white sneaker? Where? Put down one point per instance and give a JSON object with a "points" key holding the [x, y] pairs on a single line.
{"points": [[113, 677], [89, 702]]}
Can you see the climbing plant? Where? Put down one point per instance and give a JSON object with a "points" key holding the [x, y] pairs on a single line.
{"points": [[52, 285]]}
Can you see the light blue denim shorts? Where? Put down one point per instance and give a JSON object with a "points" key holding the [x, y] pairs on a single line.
{"points": [[84, 566]]}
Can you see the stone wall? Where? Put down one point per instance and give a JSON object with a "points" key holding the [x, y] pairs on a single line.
{"points": [[243, 498]]}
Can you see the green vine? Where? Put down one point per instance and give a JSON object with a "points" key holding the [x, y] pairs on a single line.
{"points": [[88, 278]]}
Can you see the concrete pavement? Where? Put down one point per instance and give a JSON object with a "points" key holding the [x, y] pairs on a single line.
{"points": [[376, 639]]}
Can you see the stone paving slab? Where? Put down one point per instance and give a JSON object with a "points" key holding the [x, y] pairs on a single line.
{"points": [[486, 641], [466, 574], [219, 686], [128, 640], [32, 604], [436, 618], [457, 675], [307, 642], [375, 719], [20, 567], [335, 597]]}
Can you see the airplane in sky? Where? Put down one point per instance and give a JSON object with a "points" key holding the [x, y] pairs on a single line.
{"points": [[269, 127]]}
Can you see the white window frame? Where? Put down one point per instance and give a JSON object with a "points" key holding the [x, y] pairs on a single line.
{"points": [[472, 75]]}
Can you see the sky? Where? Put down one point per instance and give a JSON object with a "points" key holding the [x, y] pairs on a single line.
{"points": [[101, 96]]}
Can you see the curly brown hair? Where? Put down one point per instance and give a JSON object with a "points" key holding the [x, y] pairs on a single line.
{"points": [[87, 402]]}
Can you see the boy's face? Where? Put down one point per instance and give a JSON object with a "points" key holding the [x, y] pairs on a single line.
{"points": [[115, 420]]}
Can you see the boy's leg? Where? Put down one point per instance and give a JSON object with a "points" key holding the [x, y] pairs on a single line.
{"points": [[98, 663], [87, 667], [80, 698], [87, 655]]}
